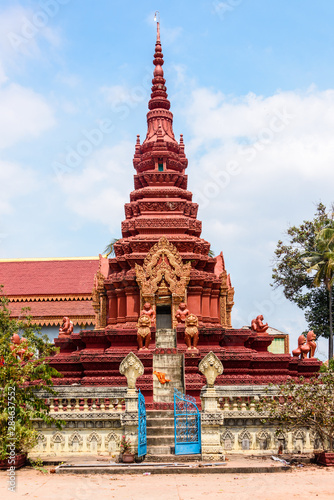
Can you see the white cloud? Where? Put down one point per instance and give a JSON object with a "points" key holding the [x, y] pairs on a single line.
{"points": [[15, 181], [275, 144], [123, 97], [3, 77], [168, 35], [24, 114], [22, 31], [116, 94], [99, 190], [256, 165]]}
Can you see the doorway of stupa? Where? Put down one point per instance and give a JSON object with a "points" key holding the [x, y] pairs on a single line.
{"points": [[163, 303], [164, 316]]}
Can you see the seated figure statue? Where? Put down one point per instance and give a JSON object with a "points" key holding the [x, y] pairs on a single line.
{"points": [[66, 328], [181, 313], [144, 331], [23, 353], [258, 326], [191, 331], [148, 310]]}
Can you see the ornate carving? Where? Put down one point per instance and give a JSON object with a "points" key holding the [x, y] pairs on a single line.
{"points": [[148, 311], [112, 441], [58, 438], [302, 349], [299, 434], [181, 313], [144, 331], [132, 368], [306, 346], [75, 437], [191, 331], [245, 435], [23, 353], [66, 328], [263, 439], [227, 440], [163, 263], [258, 326], [213, 419], [226, 295], [94, 436], [211, 367], [310, 342], [99, 305]]}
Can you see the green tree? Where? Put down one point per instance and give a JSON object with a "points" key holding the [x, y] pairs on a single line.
{"points": [[290, 271], [21, 376], [300, 404], [321, 261], [110, 249]]}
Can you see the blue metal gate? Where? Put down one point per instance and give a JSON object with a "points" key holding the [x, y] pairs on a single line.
{"points": [[187, 423], [142, 439]]}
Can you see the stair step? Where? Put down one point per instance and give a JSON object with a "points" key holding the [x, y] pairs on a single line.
{"points": [[173, 458], [159, 450], [160, 431], [160, 440], [160, 423], [165, 338]]}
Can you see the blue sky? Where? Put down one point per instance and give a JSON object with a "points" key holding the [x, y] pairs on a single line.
{"points": [[251, 86]]}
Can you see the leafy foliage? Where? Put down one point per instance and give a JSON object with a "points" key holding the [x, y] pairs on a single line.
{"points": [[110, 249], [20, 380], [291, 270], [300, 404], [321, 261]]}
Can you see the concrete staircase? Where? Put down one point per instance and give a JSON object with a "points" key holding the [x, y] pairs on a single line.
{"points": [[165, 338], [160, 432], [160, 423], [169, 363], [160, 438]]}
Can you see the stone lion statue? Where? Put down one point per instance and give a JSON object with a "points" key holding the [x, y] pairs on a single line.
{"points": [[144, 332], [191, 331]]}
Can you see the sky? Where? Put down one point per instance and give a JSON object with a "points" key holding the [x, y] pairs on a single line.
{"points": [[251, 83]]}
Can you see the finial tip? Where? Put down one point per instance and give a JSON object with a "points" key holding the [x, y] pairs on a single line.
{"points": [[157, 19]]}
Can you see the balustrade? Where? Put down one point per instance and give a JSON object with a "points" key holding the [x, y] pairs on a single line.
{"points": [[236, 404], [82, 405]]}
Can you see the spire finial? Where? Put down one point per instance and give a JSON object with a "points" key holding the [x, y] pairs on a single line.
{"points": [[159, 94], [157, 19]]}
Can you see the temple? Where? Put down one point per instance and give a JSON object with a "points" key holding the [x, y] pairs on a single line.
{"points": [[162, 261], [162, 336]]}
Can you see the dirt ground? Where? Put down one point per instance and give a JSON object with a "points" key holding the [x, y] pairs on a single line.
{"points": [[306, 482]]}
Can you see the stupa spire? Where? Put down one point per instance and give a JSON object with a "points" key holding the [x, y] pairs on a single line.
{"points": [[159, 104]]}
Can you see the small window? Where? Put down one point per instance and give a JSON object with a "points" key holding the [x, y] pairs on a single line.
{"points": [[160, 167]]}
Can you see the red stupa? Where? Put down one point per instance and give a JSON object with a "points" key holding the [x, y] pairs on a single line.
{"points": [[162, 260]]}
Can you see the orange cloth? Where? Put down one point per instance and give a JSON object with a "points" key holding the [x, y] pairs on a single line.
{"points": [[161, 377]]}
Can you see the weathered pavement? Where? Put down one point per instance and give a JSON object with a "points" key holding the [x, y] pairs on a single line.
{"points": [[297, 483]]}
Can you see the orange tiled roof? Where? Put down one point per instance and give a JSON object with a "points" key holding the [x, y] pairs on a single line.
{"points": [[48, 277], [51, 288], [52, 312]]}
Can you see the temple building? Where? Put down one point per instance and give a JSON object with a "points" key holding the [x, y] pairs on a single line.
{"points": [[161, 309], [51, 289]]}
